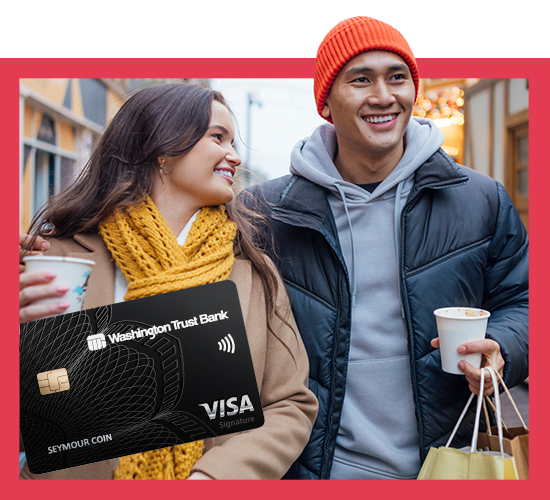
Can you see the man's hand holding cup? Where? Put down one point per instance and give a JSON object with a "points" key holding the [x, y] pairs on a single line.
{"points": [[464, 348]]}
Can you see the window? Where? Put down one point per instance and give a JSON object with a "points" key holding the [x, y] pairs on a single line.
{"points": [[518, 171], [44, 178]]}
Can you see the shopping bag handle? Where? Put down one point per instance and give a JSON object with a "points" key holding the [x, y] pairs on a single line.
{"points": [[487, 399], [501, 381], [492, 372], [478, 411]]}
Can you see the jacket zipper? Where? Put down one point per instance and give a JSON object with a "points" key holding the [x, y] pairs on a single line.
{"points": [[407, 310]]}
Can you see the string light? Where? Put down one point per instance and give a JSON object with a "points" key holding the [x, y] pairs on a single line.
{"points": [[445, 108], [447, 103], [450, 150], [447, 122]]}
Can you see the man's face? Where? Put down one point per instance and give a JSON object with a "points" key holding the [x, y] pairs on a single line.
{"points": [[370, 104]]}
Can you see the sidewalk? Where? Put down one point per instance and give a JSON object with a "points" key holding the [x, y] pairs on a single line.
{"points": [[520, 394]]}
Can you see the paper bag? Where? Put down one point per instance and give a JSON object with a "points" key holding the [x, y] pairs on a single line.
{"points": [[450, 463], [515, 439]]}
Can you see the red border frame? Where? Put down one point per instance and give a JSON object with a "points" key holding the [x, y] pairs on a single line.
{"points": [[537, 70]]}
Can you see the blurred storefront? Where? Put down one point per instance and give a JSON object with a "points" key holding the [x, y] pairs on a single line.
{"points": [[61, 119], [485, 124], [496, 137], [442, 100]]}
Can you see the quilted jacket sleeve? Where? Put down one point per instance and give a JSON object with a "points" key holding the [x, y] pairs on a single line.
{"points": [[506, 292]]}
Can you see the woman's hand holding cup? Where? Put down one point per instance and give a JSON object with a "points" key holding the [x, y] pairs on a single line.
{"points": [[35, 286], [44, 281], [38, 246]]}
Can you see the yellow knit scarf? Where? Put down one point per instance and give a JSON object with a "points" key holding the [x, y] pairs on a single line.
{"points": [[149, 255]]}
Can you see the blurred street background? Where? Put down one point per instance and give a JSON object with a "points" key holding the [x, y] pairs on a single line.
{"points": [[485, 124]]}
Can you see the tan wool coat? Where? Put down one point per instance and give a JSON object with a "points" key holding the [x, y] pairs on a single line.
{"points": [[289, 407]]}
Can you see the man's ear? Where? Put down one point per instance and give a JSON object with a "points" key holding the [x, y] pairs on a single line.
{"points": [[326, 111]]}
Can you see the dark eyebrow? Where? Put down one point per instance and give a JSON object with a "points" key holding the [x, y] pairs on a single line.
{"points": [[365, 69], [221, 127]]}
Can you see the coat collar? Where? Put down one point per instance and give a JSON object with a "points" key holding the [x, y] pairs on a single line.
{"points": [[305, 204], [439, 171], [101, 286]]}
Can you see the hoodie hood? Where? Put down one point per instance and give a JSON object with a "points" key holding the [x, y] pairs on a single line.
{"points": [[313, 158]]}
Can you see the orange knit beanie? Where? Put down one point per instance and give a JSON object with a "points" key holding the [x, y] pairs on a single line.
{"points": [[349, 38]]}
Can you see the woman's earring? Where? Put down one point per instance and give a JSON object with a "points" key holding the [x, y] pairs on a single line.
{"points": [[161, 165]]}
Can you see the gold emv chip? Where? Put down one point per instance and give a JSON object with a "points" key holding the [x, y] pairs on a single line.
{"points": [[53, 381]]}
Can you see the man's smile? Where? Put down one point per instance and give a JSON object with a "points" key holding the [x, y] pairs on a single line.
{"points": [[380, 118]]}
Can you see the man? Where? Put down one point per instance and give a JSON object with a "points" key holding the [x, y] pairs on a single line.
{"points": [[375, 228]]}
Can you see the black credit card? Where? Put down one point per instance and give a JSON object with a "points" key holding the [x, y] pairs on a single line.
{"points": [[136, 376]]}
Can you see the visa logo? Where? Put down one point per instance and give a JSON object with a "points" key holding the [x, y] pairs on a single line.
{"points": [[227, 408]]}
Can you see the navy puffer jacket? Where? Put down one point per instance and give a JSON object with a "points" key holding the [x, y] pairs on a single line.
{"points": [[462, 244]]}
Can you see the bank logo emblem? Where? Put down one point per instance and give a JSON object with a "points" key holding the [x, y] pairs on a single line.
{"points": [[227, 344], [96, 342], [53, 381]]}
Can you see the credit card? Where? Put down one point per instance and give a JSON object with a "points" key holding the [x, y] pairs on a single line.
{"points": [[136, 376]]}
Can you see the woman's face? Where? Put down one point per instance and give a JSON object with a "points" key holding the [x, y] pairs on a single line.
{"points": [[205, 173]]}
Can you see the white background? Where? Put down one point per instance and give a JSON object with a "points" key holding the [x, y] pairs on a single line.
{"points": [[162, 28], [202, 28]]}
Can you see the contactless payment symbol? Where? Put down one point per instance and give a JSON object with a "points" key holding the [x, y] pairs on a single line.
{"points": [[227, 344], [53, 381], [96, 342]]}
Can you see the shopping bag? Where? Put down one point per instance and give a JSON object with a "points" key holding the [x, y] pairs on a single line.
{"points": [[469, 463], [451, 463], [515, 439]]}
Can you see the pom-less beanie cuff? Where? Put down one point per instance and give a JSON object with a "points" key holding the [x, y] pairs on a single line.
{"points": [[349, 38]]}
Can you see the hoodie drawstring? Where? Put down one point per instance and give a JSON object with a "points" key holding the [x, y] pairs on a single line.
{"points": [[353, 271], [397, 216]]}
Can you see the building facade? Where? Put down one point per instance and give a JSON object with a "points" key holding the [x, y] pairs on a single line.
{"points": [[61, 120], [496, 135]]}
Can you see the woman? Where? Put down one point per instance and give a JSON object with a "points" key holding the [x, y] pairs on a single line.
{"points": [[155, 210]]}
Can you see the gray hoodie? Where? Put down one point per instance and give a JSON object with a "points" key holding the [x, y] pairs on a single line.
{"points": [[378, 436]]}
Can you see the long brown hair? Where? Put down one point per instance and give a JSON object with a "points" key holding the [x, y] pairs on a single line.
{"points": [[165, 120]]}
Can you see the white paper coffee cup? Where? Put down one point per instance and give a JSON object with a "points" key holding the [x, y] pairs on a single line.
{"points": [[456, 326], [69, 271]]}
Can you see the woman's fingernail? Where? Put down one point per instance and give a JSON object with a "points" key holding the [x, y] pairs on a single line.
{"points": [[461, 365], [49, 275], [461, 349], [63, 289], [63, 305], [45, 245]]}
